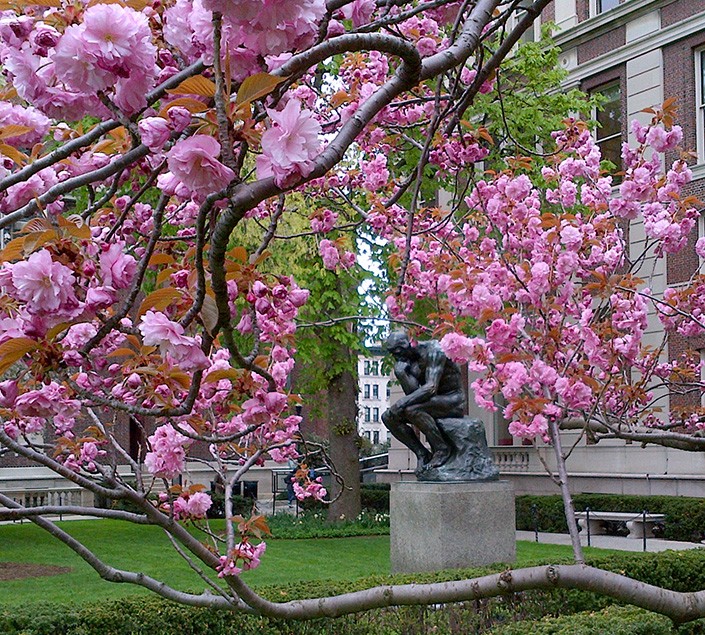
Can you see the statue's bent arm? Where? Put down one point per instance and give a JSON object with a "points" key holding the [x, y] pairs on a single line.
{"points": [[435, 362], [406, 379]]}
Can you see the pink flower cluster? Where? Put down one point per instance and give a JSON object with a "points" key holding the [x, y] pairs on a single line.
{"points": [[181, 350], [194, 165], [289, 145], [167, 456], [311, 489], [246, 553], [191, 506], [111, 50]]}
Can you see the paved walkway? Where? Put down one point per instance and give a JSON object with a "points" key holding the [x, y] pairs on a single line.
{"points": [[611, 542]]}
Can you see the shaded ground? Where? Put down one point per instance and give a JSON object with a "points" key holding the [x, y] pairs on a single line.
{"points": [[20, 570]]}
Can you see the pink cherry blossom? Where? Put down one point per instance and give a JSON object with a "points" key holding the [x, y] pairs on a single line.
{"points": [[117, 268], [155, 132], [167, 457], [183, 351], [111, 49], [46, 286], [290, 145], [194, 161]]}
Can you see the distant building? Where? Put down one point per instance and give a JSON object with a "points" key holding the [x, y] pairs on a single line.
{"points": [[373, 398]]}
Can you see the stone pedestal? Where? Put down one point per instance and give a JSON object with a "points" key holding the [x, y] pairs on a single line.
{"points": [[452, 525]]}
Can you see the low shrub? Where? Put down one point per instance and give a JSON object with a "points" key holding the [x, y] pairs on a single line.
{"points": [[314, 524], [513, 614], [241, 505], [375, 497], [614, 620]]}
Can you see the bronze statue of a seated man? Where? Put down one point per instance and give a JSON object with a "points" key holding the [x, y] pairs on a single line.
{"points": [[433, 390]]}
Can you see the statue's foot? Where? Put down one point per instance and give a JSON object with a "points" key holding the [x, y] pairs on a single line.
{"points": [[439, 457], [422, 460]]}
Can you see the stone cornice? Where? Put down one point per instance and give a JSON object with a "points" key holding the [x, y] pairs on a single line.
{"points": [[640, 46], [607, 21]]}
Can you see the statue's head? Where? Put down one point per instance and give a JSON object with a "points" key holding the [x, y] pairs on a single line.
{"points": [[398, 344]]}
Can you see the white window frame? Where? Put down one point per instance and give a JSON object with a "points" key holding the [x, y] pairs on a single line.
{"points": [[532, 34], [595, 5], [700, 104]]}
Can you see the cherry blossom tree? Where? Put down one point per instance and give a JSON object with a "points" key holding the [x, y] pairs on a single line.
{"points": [[542, 274], [136, 137]]}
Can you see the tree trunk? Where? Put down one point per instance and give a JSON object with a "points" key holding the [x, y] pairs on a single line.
{"points": [[342, 420], [565, 493]]}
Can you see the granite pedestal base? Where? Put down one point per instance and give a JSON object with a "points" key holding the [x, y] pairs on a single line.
{"points": [[437, 526]]}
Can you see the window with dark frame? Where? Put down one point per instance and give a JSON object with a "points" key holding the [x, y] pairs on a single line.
{"points": [[367, 391], [700, 105], [375, 391], [609, 125]]}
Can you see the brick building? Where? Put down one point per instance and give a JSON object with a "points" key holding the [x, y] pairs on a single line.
{"points": [[636, 53]]}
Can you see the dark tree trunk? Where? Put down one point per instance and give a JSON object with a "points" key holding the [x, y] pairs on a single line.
{"points": [[344, 452]]}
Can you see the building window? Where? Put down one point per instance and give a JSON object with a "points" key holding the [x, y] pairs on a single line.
{"points": [[367, 391], [367, 415], [375, 391], [700, 103], [600, 6], [367, 367], [530, 35], [375, 414], [367, 434], [389, 391], [375, 437], [609, 125], [702, 378], [701, 234], [374, 368]]}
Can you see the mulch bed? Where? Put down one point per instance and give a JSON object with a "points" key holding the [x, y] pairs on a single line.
{"points": [[21, 570]]}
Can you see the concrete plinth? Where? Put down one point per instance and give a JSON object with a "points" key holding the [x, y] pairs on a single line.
{"points": [[438, 526]]}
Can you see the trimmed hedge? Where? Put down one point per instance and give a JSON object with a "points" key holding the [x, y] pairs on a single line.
{"points": [[375, 497], [614, 620], [314, 524], [685, 517], [682, 571]]}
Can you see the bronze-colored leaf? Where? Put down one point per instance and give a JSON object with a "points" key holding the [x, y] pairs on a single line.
{"points": [[198, 85], [13, 130], [257, 86], [161, 259], [209, 313], [159, 300], [14, 250], [13, 153], [222, 373], [191, 104], [15, 349]]}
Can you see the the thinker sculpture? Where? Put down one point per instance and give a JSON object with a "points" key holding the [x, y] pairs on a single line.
{"points": [[434, 404]]}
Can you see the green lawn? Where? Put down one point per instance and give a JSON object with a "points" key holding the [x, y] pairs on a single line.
{"points": [[146, 549]]}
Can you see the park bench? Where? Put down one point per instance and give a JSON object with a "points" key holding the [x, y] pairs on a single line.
{"points": [[639, 524]]}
